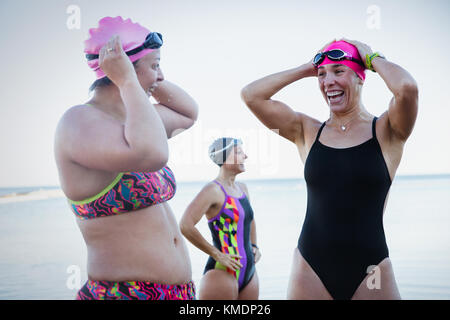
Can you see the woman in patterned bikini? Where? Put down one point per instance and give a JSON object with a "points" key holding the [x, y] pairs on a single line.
{"points": [[111, 154], [230, 271]]}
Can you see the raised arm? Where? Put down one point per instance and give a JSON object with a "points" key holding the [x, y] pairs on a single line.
{"points": [[272, 113], [177, 109], [85, 136], [402, 112], [403, 108], [209, 197]]}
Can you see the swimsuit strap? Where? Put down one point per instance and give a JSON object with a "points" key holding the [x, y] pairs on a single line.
{"points": [[226, 194], [320, 131], [223, 189], [373, 129], [374, 135]]}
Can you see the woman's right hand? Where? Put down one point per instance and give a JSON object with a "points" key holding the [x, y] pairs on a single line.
{"points": [[230, 261], [311, 70], [115, 63], [312, 67]]}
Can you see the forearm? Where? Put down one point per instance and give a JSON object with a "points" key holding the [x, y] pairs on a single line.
{"points": [[397, 79], [195, 237], [253, 238], [265, 88], [175, 98], [143, 130]]}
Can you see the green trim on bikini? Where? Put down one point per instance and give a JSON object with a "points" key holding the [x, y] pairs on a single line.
{"points": [[101, 193]]}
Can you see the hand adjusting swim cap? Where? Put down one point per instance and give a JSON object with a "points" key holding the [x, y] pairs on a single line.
{"points": [[341, 52], [152, 41], [137, 41]]}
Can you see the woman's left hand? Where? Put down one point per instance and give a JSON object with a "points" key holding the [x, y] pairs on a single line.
{"points": [[256, 254], [363, 49]]}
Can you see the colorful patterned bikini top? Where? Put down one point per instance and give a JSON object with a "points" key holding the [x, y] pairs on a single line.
{"points": [[128, 192]]}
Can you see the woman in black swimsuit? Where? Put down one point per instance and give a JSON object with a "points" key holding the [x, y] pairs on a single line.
{"points": [[350, 161]]}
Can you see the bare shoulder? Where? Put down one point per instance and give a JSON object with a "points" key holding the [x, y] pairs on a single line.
{"points": [[384, 132], [70, 122], [80, 123], [213, 192], [242, 185], [244, 188], [75, 117], [310, 126]]}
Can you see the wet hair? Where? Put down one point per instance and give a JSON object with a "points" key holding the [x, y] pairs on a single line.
{"points": [[221, 148], [105, 81]]}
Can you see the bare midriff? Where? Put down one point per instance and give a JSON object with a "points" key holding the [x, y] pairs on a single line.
{"points": [[142, 245]]}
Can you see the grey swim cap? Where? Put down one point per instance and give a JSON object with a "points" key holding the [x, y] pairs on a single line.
{"points": [[220, 149]]}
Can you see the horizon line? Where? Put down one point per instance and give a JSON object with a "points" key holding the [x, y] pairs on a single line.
{"points": [[400, 176]]}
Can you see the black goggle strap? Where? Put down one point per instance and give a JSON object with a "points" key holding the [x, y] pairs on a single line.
{"points": [[224, 153], [152, 41]]}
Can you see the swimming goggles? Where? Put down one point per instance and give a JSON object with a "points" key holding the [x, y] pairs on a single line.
{"points": [[152, 41], [335, 55]]}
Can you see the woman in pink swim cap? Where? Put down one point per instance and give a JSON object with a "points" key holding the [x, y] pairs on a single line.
{"points": [[349, 163], [111, 154]]}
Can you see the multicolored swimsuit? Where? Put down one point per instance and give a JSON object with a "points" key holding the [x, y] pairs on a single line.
{"points": [[128, 192], [230, 230], [135, 290]]}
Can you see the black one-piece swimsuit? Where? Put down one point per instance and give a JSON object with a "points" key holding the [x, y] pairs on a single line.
{"points": [[343, 232]]}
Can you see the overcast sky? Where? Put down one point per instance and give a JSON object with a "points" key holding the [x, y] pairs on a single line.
{"points": [[212, 49]]}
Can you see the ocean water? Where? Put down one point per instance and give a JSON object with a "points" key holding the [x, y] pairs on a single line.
{"points": [[43, 256]]}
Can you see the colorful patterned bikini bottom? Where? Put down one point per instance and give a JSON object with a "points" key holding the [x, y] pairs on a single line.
{"points": [[135, 290]]}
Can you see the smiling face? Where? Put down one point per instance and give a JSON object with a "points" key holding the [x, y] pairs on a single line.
{"points": [[340, 86], [149, 72]]}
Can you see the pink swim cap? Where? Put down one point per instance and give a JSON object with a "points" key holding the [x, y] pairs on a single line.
{"points": [[349, 49], [132, 35]]}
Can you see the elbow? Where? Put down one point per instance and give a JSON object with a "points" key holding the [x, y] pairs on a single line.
{"points": [[154, 161], [408, 90], [194, 114], [159, 159], [251, 98], [184, 228], [246, 95]]}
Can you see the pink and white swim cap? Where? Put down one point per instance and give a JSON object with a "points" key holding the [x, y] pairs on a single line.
{"points": [[132, 35]]}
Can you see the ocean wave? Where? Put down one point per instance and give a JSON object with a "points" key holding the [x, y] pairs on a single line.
{"points": [[40, 194]]}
